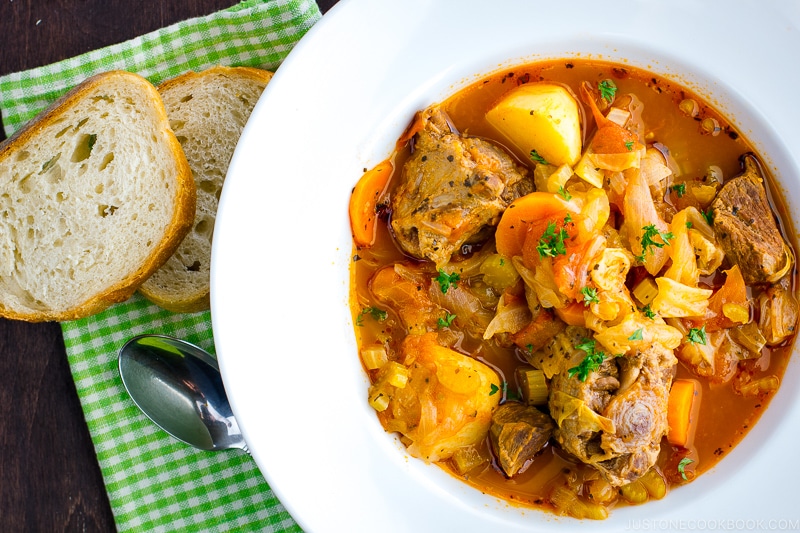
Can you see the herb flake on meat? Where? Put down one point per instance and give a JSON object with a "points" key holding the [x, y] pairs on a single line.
{"points": [[590, 363]]}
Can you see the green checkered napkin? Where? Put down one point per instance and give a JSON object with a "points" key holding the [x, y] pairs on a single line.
{"points": [[154, 482]]}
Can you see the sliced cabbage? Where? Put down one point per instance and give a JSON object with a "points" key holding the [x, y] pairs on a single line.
{"points": [[637, 331], [611, 269], [447, 401], [675, 299], [542, 282], [563, 406], [511, 316]]}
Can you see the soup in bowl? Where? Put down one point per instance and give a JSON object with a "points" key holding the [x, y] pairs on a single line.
{"points": [[303, 399], [572, 286]]}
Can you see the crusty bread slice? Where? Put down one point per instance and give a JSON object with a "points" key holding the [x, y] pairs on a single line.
{"points": [[207, 111], [95, 194]]}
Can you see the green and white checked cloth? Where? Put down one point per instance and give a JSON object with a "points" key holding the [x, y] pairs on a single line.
{"points": [[155, 483]]}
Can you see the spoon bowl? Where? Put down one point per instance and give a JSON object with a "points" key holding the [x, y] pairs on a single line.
{"points": [[179, 387]]}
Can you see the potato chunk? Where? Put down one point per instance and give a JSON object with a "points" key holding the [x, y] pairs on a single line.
{"points": [[447, 402], [543, 117]]}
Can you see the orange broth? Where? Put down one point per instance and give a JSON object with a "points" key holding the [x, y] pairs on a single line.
{"points": [[725, 416]]}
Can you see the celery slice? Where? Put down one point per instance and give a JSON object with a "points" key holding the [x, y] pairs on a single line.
{"points": [[534, 385]]}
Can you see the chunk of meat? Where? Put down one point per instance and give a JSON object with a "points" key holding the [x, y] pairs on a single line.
{"points": [[746, 227], [518, 432], [779, 312], [559, 353], [453, 190], [447, 402], [616, 418]]}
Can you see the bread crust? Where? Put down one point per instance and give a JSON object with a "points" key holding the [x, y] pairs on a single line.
{"points": [[184, 197], [255, 74], [166, 288]]}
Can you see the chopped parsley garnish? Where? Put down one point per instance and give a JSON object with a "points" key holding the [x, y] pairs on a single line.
{"points": [[650, 232], [629, 145], [589, 296], [688, 224], [378, 314], [697, 335], [680, 189], [446, 321], [590, 363], [494, 389], [537, 158], [607, 89], [682, 467], [636, 335], [551, 243], [510, 395], [649, 313], [564, 194], [446, 280], [708, 215]]}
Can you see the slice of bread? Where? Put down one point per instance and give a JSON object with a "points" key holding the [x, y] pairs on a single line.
{"points": [[207, 112], [95, 195]]}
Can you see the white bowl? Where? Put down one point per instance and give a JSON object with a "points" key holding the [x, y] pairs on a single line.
{"points": [[280, 269]]}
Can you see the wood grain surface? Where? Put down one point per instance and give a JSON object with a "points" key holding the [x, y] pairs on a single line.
{"points": [[49, 477]]}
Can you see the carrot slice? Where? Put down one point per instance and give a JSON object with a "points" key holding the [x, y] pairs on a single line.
{"points": [[610, 138], [572, 314], [682, 411], [534, 209], [363, 201], [732, 292], [538, 332]]}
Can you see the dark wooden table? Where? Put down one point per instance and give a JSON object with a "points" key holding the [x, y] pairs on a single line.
{"points": [[49, 477]]}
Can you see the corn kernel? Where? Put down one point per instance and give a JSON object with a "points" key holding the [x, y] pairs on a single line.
{"points": [[711, 126], [634, 492], [654, 483], [689, 107]]}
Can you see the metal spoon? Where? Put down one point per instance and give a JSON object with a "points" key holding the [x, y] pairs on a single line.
{"points": [[179, 387]]}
